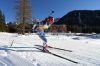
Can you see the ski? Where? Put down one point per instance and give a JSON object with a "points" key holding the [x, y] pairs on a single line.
{"points": [[57, 55], [55, 48]]}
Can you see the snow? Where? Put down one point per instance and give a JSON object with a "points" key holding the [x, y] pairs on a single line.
{"points": [[20, 50], [3, 53]]}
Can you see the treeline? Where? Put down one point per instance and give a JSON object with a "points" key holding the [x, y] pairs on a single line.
{"points": [[82, 21], [17, 28], [12, 27]]}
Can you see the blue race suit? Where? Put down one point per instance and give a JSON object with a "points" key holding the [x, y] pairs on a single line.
{"points": [[42, 36]]}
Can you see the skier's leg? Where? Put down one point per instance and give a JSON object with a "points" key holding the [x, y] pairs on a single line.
{"points": [[42, 36]]}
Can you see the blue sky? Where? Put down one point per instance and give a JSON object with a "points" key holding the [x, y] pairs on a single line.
{"points": [[42, 8]]}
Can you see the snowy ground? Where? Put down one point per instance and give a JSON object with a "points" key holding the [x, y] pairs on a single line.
{"points": [[20, 50]]}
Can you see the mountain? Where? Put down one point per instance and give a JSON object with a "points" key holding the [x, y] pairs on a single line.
{"points": [[85, 20]]}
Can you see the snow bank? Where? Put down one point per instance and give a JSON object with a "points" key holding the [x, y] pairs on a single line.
{"points": [[3, 53]]}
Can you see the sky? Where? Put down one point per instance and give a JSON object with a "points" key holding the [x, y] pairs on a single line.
{"points": [[42, 8]]}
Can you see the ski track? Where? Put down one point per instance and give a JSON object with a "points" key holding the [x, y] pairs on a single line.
{"points": [[77, 57], [23, 52], [51, 60], [48, 60], [14, 60]]}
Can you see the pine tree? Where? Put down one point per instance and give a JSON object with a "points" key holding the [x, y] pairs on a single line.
{"points": [[3, 26], [23, 13]]}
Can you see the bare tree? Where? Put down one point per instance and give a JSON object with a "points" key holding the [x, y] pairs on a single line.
{"points": [[23, 13]]}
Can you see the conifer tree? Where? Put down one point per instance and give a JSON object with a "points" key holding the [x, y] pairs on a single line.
{"points": [[23, 13], [2, 22]]}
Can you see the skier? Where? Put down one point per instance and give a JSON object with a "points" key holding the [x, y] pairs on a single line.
{"points": [[40, 30]]}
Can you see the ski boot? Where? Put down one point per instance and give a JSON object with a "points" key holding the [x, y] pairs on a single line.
{"points": [[45, 46]]}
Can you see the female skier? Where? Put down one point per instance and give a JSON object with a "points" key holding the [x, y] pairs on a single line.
{"points": [[40, 30]]}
